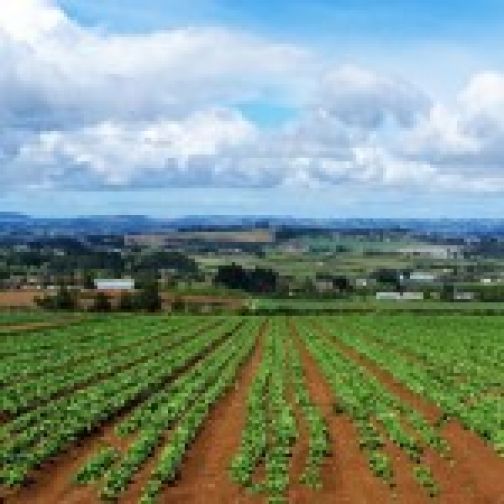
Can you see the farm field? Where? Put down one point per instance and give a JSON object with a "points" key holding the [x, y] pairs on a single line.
{"points": [[228, 409], [19, 320], [372, 305]]}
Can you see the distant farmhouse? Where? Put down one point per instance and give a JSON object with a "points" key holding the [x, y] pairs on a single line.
{"points": [[399, 296], [432, 251], [422, 276], [109, 284]]}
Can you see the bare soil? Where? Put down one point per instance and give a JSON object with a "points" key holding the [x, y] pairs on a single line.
{"points": [[19, 298], [345, 475], [52, 483], [475, 474], [205, 476]]}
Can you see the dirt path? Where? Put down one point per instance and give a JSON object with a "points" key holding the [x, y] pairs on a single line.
{"points": [[346, 477], [476, 473], [205, 476]]}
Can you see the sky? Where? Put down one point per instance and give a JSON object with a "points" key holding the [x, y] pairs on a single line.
{"points": [[315, 108]]}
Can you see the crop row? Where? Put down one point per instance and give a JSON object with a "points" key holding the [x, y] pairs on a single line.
{"points": [[160, 416], [450, 376], [271, 430], [378, 415], [41, 433], [170, 460], [91, 340], [28, 394]]}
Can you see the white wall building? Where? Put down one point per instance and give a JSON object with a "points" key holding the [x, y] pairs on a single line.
{"points": [[422, 276], [399, 296], [111, 284]]}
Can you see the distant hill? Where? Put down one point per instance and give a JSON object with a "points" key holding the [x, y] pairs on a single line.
{"points": [[13, 223]]}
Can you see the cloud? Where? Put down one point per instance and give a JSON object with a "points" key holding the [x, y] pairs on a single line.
{"points": [[54, 72], [359, 97], [141, 154], [86, 109], [466, 140]]}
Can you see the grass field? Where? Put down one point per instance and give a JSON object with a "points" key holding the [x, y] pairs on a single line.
{"points": [[225, 409]]}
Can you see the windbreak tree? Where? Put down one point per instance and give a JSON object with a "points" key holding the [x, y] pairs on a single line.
{"points": [[101, 303], [148, 298]]}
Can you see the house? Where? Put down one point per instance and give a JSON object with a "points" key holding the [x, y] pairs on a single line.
{"points": [[422, 277], [464, 296], [324, 285], [412, 296], [120, 284], [399, 296], [362, 282], [388, 296]]}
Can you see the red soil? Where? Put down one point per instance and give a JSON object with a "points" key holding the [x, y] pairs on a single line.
{"points": [[345, 475], [205, 476], [475, 473], [19, 298], [52, 484]]}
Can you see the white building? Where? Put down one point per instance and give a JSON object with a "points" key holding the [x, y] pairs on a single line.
{"points": [[399, 296], [111, 284], [422, 276], [388, 296], [464, 296]]}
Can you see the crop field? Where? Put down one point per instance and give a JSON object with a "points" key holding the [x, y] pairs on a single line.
{"points": [[347, 409], [13, 321]]}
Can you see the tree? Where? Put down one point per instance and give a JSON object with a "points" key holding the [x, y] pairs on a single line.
{"points": [[88, 280], [64, 299], [101, 303], [388, 277], [126, 302], [178, 305], [258, 280], [447, 292], [232, 276], [342, 283], [148, 298]]}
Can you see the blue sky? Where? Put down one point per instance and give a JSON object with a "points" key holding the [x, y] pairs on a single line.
{"points": [[320, 107], [316, 19]]}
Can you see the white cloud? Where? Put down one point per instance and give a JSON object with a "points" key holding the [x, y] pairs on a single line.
{"points": [[85, 109], [361, 98], [55, 72], [139, 154]]}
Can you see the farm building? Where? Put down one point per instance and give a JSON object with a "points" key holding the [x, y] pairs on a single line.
{"points": [[399, 296], [464, 296], [422, 276], [120, 284]]}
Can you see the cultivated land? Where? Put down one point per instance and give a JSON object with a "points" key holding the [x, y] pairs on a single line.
{"points": [[227, 409]]}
